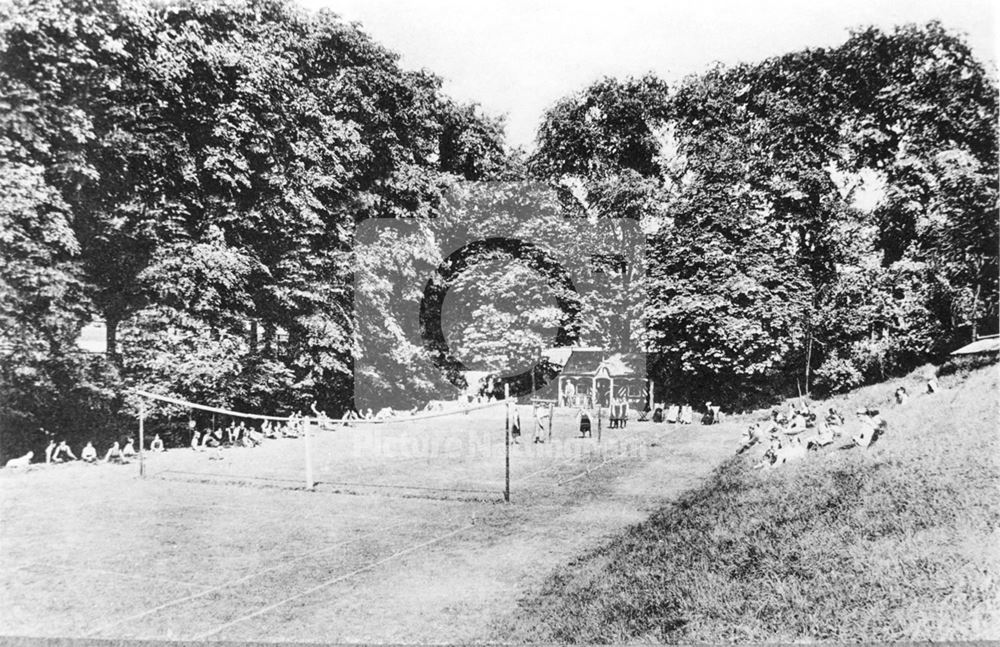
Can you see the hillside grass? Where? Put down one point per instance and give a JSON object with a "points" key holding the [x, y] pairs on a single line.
{"points": [[897, 542]]}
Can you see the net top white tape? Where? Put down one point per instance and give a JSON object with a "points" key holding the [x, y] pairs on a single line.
{"points": [[358, 421], [226, 412], [421, 416]]}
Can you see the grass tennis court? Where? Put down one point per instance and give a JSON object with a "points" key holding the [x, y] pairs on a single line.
{"points": [[405, 537]]}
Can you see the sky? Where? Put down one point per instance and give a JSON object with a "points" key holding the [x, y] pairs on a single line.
{"points": [[518, 57]]}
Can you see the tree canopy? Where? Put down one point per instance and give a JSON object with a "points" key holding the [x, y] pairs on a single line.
{"points": [[194, 175]]}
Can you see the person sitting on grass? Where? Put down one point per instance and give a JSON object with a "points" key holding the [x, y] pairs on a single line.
{"points": [[789, 451], [114, 454], [89, 454], [348, 416], [872, 427], [901, 395], [128, 451], [254, 437], [751, 436], [21, 462], [824, 436], [709, 417], [157, 444], [673, 413], [797, 424], [932, 385], [51, 447], [63, 450]]}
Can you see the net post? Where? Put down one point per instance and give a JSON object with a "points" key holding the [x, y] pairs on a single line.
{"points": [[598, 423], [506, 485], [142, 437], [310, 484], [552, 410]]}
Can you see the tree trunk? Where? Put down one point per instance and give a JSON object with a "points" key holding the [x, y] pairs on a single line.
{"points": [[975, 313], [809, 351], [111, 337]]}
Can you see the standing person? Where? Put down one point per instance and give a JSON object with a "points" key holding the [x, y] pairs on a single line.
{"points": [[63, 449], [541, 417], [585, 427], [515, 424], [195, 436], [686, 415], [51, 447]]}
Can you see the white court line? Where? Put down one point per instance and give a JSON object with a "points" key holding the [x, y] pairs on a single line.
{"points": [[329, 582], [589, 470], [200, 594], [616, 444], [622, 454]]}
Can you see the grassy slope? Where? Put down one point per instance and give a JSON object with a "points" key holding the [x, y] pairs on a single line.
{"points": [[899, 542]]}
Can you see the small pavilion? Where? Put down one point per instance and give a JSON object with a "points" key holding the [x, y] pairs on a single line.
{"points": [[592, 376]]}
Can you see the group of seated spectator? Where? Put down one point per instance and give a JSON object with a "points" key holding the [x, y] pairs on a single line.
{"points": [[236, 434], [239, 434], [790, 434], [673, 413], [61, 452]]}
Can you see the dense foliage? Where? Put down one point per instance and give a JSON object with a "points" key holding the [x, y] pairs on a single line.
{"points": [[192, 174]]}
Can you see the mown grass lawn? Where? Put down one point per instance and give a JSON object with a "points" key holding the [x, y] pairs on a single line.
{"points": [[897, 542]]}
